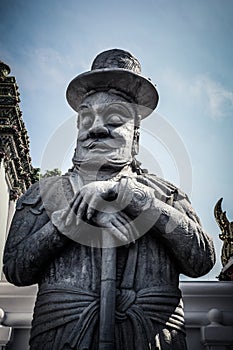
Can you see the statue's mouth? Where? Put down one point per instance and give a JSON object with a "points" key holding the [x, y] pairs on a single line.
{"points": [[103, 144]]}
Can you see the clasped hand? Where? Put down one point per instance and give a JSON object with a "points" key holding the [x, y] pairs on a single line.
{"points": [[96, 203]]}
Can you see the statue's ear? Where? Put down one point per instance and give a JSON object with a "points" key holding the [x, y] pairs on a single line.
{"points": [[135, 145]]}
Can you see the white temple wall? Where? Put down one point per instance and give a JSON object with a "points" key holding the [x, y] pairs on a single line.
{"points": [[4, 208]]}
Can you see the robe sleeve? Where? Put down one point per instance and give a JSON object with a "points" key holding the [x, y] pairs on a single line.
{"points": [[33, 241], [182, 233], [175, 222]]}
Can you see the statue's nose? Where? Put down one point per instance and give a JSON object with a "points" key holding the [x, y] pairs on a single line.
{"points": [[98, 130]]}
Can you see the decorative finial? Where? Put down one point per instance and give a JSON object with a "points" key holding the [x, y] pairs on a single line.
{"points": [[227, 237], [4, 70]]}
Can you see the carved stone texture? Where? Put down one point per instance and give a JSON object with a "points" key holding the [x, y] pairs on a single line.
{"points": [[106, 242]]}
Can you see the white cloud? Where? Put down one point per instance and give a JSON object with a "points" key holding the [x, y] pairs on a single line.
{"points": [[50, 64], [211, 96], [41, 68], [219, 100]]}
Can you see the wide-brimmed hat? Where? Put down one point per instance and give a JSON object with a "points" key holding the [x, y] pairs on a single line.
{"points": [[115, 70]]}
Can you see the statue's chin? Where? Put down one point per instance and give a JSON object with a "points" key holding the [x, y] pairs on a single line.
{"points": [[99, 162]]}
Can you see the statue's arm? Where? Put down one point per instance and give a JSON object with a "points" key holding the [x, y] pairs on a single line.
{"points": [[32, 243], [185, 238], [177, 225]]}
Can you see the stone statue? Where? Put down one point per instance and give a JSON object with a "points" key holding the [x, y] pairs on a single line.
{"points": [[106, 242]]}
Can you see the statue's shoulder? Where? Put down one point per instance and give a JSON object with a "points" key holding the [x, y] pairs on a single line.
{"points": [[44, 190], [164, 189], [171, 194]]}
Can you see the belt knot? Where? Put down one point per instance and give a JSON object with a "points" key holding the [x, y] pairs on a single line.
{"points": [[125, 298]]}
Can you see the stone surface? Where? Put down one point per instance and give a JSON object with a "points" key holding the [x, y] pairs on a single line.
{"points": [[106, 242]]}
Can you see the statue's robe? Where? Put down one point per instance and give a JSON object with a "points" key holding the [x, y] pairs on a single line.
{"points": [[149, 310]]}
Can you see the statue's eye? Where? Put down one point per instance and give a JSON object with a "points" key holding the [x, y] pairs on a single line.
{"points": [[114, 119], [117, 114], [86, 121]]}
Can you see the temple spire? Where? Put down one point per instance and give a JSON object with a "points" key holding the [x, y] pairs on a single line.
{"points": [[4, 70]]}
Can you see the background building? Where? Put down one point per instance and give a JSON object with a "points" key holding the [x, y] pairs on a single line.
{"points": [[16, 171]]}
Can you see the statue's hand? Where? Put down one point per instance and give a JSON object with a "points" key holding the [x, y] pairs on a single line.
{"points": [[82, 207], [117, 224], [127, 195], [134, 197], [92, 197], [95, 203]]}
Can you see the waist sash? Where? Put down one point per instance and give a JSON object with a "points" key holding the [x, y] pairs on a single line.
{"points": [[55, 307]]}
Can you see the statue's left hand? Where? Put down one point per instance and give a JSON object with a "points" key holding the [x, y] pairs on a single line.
{"points": [[118, 225], [92, 197]]}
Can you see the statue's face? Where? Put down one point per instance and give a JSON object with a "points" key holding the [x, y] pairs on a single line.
{"points": [[106, 130]]}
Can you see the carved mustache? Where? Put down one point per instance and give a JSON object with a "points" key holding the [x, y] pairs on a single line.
{"points": [[87, 135], [108, 140]]}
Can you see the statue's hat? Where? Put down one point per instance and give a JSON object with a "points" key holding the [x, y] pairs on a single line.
{"points": [[115, 70]]}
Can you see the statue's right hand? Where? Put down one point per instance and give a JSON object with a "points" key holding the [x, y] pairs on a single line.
{"points": [[71, 214], [66, 220]]}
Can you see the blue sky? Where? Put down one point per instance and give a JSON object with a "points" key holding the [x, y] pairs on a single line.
{"points": [[184, 46]]}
